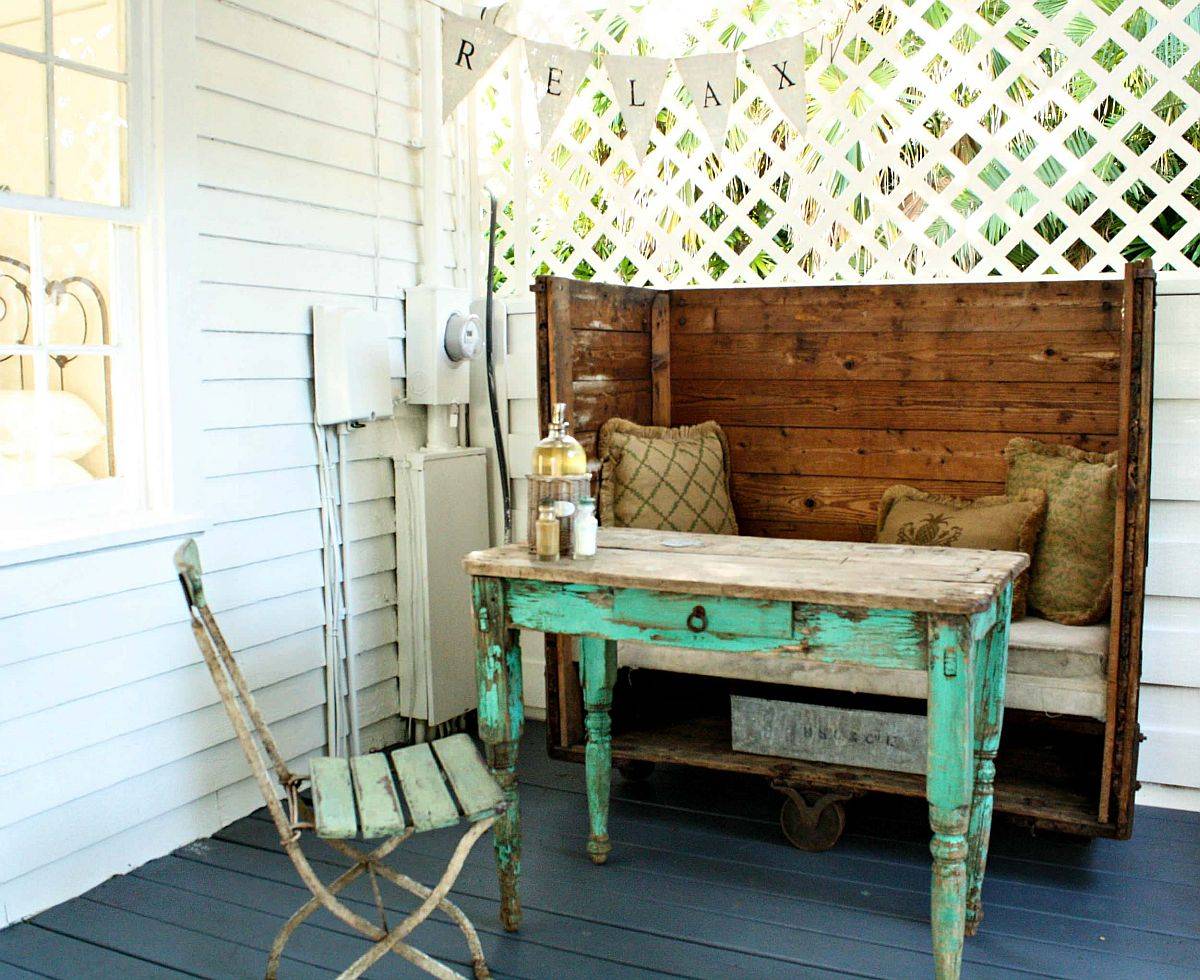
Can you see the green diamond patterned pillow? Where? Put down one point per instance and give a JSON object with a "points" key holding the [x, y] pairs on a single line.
{"points": [[665, 479]]}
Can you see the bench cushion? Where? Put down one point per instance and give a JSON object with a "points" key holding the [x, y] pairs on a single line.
{"points": [[1051, 668]]}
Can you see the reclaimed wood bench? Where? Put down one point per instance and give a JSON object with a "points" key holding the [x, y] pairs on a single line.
{"points": [[372, 797], [830, 394], [938, 612]]}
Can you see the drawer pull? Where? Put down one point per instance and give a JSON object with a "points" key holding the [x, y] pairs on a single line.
{"points": [[697, 621]]}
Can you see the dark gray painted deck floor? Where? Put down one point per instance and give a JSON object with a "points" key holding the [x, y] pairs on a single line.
{"points": [[700, 884]]}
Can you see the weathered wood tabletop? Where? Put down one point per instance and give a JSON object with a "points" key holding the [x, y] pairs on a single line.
{"points": [[839, 573], [940, 610]]}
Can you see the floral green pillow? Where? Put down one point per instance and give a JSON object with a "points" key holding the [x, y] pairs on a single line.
{"points": [[1071, 578]]}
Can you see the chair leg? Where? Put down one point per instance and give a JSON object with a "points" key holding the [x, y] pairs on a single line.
{"points": [[394, 940], [415, 887]]}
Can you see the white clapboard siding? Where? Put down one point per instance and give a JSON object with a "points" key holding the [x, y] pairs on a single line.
{"points": [[1169, 712], [121, 750]]}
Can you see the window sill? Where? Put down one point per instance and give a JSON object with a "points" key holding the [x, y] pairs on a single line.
{"points": [[37, 545]]}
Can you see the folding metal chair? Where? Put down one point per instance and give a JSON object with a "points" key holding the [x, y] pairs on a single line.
{"points": [[353, 795]]}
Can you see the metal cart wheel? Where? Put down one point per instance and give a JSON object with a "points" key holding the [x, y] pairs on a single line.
{"points": [[814, 823], [635, 770]]}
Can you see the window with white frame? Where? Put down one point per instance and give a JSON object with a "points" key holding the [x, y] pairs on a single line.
{"points": [[71, 434]]}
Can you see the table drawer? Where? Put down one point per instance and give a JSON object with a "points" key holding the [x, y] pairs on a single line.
{"points": [[703, 613]]}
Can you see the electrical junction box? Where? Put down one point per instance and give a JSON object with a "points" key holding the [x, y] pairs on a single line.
{"points": [[442, 337], [351, 372]]}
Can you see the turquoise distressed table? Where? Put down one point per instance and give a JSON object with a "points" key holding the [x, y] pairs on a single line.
{"points": [[938, 610]]}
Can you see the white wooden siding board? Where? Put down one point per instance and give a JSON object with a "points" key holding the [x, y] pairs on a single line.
{"points": [[250, 584], [1173, 569], [370, 479], [373, 592], [133, 707], [270, 447], [233, 120], [253, 171], [1171, 656], [1169, 756], [274, 40], [111, 617], [87, 867], [1174, 470], [238, 404], [323, 18], [246, 495], [283, 266], [92, 818], [70, 675], [226, 307], [1172, 520], [246, 542], [224, 69], [238, 214], [373, 556], [255, 356], [1182, 704], [1170, 797], [41, 585], [68, 776]]}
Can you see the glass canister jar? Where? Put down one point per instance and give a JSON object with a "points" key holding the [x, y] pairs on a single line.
{"points": [[560, 453]]}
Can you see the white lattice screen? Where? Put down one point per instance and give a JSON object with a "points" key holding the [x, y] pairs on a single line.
{"points": [[946, 139]]}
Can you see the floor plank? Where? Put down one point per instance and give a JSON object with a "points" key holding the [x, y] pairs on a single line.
{"points": [[700, 884]]}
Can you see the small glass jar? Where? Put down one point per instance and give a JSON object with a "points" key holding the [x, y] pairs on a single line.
{"points": [[586, 526], [546, 532]]}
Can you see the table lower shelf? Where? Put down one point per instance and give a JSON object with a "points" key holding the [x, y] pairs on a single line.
{"points": [[705, 743]]}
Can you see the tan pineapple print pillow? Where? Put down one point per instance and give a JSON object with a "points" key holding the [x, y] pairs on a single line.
{"points": [[1003, 523]]}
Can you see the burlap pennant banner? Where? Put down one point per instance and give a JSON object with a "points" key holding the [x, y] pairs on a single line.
{"points": [[557, 73], [469, 48], [712, 81], [638, 85], [780, 65]]}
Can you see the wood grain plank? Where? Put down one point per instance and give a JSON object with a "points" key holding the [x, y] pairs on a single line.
{"points": [[895, 454], [379, 810], [849, 500], [333, 797], [966, 406], [660, 359], [1026, 355], [478, 793], [598, 401], [892, 577], [991, 307], [601, 355], [429, 802]]}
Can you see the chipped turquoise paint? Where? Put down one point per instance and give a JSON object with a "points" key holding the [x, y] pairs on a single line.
{"points": [[965, 658], [875, 637]]}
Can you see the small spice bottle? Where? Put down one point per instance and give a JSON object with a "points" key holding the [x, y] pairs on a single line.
{"points": [[585, 528], [546, 532]]}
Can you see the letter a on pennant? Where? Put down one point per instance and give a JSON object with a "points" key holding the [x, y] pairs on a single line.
{"points": [[557, 73], [711, 79], [780, 65], [638, 84], [469, 48]]}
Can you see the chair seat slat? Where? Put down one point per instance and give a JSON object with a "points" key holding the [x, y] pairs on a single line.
{"points": [[333, 798], [425, 793], [379, 813], [474, 785]]}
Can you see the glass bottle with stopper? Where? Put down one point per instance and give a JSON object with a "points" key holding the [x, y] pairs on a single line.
{"points": [[559, 454]]}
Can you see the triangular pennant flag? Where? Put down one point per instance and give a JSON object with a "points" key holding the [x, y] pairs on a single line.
{"points": [[638, 84], [780, 64], [469, 48], [557, 73], [711, 78]]}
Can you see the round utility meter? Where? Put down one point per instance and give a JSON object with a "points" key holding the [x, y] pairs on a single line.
{"points": [[463, 336]]}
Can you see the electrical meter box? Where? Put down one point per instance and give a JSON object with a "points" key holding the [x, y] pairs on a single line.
{"points": [[442, 337], [351, 371]]}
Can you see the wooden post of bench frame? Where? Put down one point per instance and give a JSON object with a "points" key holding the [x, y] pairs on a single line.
{"points": [[1130, 547]]}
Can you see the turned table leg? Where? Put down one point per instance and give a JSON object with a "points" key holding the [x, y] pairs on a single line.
{"points": [[597, 674], [949, 785], [991, 658], [501, 721]]}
